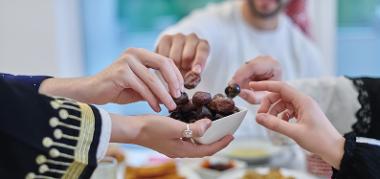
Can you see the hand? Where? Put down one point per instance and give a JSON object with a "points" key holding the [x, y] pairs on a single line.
{"points": [[259, 69], [312, 131], [189, 52], [163, 135], [127, 80]]}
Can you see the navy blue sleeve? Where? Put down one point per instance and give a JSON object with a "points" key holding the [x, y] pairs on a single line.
{"points": [[360, 159], [32, 82]]}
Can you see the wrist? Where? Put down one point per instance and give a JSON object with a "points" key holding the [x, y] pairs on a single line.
{"points": [[74, 88], [125, 129], [335, 152]]}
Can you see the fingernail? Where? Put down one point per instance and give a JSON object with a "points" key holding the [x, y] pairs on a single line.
{"points": [[172, 106], [208, 123], [197, 69], [177, 93], [243, 94], [157, 109], [260, 117]]}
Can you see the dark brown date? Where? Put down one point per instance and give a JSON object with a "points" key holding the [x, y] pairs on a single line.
{"points": [[204, 112], [219, 95], [201, 98], [222, 105], [202, 105], [187, 107], [183, 99], [232, 90], [218, 116], [192, 80]]}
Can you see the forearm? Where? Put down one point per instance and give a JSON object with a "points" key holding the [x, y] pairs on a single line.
{"points": [[79, 89], [125, 129], [334, 152], [32, 82]]}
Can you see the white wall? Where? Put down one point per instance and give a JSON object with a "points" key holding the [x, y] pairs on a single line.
{"points": [[40, 37], [322, 14]]}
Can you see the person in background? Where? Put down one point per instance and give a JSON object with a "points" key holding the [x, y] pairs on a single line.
{"points": [[352, 106], [48, 129], [219, 38]]}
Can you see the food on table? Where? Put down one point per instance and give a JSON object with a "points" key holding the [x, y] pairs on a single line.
{"points": [[202, 105], [232, 90], [248, 153], [218, 165], [192, 79], [116, 152], [272, 174], [166, 170]]}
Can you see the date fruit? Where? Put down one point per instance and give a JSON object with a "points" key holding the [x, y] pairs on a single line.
{"points": [[192, 80], [232, 90], [201, 98], [202, 105], [183, 99]]}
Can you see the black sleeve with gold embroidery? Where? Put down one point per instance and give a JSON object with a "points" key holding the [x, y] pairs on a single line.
{"points": [[44, 137]]}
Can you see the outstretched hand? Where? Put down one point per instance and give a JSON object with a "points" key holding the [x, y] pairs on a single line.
{"points": [[312, 131], [164, 134]]}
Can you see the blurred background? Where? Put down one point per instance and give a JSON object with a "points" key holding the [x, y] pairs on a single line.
{"points": [[74, 38]]}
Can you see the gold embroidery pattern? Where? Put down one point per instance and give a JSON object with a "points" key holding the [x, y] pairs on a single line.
{"points": [[79, 160], [85, 136]]}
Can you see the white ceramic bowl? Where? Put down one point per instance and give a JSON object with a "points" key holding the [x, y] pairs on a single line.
{"points": [[221, 127]]}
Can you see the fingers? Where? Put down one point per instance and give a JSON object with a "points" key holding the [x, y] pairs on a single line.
{"points": [[200, 127], [179, 77], [189, 51], [202, 52], [178, 43], [281, 107], [164, 46], [287, 93], [153, 83], [242, 76], [168, 70], [273, 123], [253, 97], [267, 102], [139, 86]]}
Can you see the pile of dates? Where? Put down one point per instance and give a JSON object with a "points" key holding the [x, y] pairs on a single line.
{"points": [[203, 105]]}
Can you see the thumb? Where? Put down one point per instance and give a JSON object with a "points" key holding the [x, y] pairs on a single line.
{"points": [[202, 53], [200, 127], [276, 124]]}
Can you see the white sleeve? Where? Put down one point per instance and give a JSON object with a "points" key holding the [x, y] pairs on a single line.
{"points": [[337, 97], [105, 134]]}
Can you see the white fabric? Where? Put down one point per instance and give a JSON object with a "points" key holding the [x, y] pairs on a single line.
{"points": [[233, 42], [337, 97], [105, 134], [368, 141]]}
